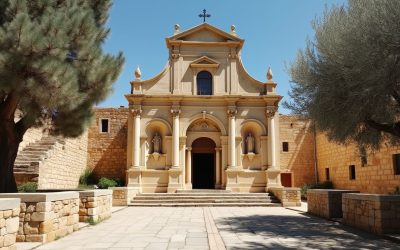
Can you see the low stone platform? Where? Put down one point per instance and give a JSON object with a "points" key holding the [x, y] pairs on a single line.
{"points": [[44, 217], [204, 198], [326, 203]]}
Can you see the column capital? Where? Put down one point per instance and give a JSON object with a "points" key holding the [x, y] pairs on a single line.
{"points": [[231, 112], [189, 148], [175, 112], [136, 111], [218, 149], [270, 111]]}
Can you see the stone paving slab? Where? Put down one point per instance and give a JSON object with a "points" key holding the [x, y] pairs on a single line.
{"points": [[217, 228]]}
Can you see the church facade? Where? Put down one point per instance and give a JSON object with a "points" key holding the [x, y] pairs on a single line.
{"points": [[203, 122]]}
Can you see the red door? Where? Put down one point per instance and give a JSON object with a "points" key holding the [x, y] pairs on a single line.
{"points": [[286, 179]]}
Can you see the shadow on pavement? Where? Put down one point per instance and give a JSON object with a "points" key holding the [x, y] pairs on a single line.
{"points": [[294, 232]]}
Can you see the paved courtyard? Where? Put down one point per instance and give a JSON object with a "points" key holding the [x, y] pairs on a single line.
{"points": [[217, 228]]}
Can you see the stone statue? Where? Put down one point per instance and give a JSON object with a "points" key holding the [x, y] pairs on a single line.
{"points": [[156, 143], [250, 143]]}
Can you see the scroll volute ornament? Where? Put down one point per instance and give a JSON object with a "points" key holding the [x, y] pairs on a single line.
{"points": [[231, 112], [270, 111], [136, 111], [175, 112]]}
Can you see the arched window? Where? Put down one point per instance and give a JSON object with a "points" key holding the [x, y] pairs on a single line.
{"points": [[204, 83]]}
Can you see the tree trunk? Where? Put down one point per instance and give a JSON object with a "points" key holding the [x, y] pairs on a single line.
{"points": [[10, 138]]}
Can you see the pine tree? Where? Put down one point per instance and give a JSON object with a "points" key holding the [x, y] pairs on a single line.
{"points": [[52, 68], [348, 78]]}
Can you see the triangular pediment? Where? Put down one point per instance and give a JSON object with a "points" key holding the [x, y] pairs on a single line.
{"points": [[205, 33], [205, 61]]}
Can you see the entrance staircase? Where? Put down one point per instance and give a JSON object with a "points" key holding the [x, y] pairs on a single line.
{"points": [[26, 166], [204, 198]]}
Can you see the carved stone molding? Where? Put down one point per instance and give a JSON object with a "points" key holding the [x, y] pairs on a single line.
{"points": [[270, 111]]}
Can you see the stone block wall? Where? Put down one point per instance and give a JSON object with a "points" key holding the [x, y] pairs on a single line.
{"points": [[299, 160], [107, 152], [9, 222], [326, 203], [123, 195], [95, 205], [289, 197], [44, 217], [377, 176], [67, 162], [379, 214]]}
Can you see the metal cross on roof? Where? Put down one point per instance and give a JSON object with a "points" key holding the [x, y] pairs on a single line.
{"points": [[204, 15]]}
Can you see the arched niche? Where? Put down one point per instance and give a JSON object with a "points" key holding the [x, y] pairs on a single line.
{"points": [[256, 129], [163, 128]]}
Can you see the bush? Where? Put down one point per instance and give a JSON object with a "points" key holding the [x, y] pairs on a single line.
{"points": [[105, 183], [28, 187], [320, 185], [87, 178]]}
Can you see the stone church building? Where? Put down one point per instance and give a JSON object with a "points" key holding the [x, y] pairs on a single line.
{"points": [[203, 123]]}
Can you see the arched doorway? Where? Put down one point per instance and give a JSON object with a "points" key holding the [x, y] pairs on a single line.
{"points": [[203, 163]]}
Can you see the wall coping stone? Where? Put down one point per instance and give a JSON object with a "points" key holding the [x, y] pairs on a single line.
{"points": [[95, 193], [42, 197], [285, 188], [331, 191], [122, 188], [371, 197], [9, 203]]}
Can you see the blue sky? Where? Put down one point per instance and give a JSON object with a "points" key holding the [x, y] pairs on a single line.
{"points": [[274, 31]]}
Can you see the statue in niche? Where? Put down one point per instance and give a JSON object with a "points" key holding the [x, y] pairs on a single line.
{"points": [[250, 143], [156, 143]]}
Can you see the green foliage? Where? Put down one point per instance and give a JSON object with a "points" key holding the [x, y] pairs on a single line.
{"points": [[87, 177], [320, 185], [348, 78], [52, 62], [105, 183], [28, 187]]}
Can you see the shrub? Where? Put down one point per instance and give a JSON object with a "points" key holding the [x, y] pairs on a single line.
{"points": [[120, 182], [28, 187], [319, 185], [87, 178], [105, 183]]}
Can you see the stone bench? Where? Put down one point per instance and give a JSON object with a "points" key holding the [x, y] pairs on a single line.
{"points": [[9, 222], [379, 214], [326, 203], [45, 217], [289, 197], [95, 205]]}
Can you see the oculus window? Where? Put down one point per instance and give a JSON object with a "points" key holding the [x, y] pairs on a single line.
{"points": [[204, 83]]}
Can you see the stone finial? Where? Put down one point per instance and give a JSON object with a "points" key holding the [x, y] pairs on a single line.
{"points": [[269, 74], [176, 29], [138, 74], [233, 29]]}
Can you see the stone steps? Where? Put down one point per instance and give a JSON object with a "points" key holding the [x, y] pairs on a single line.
{"points": [[28, 160], [204, 198], [195, 204], [205, 194]]}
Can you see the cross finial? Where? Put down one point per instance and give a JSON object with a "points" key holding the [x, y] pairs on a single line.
{"points": [[204, 15]]}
